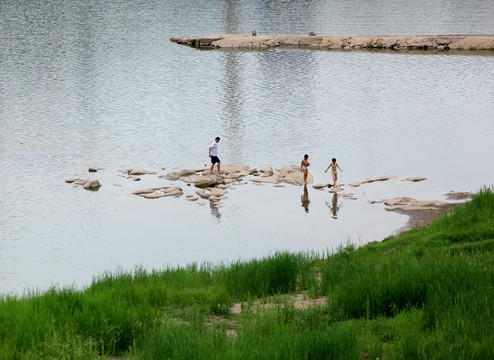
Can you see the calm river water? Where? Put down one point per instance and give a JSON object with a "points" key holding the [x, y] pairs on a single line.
{"points": [[98, 84]]}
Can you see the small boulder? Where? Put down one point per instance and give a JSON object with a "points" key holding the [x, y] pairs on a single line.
{"points": [[93, 185], [70, 180], [92, 170], [205, 182]]}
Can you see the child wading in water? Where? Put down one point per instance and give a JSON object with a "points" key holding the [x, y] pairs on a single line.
{"points": [[304, 167], [333, 167]]}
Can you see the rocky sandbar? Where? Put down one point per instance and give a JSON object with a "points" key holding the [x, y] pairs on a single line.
{"points": [[415, 42]]}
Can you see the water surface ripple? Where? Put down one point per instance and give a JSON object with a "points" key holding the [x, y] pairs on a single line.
{"points": [[99, 84]]}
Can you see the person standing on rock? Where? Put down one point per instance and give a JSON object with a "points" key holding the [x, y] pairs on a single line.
{"points": [[213, 154], [334, 165], [304, 167]]}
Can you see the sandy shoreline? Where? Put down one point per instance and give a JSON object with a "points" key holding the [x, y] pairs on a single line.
{"points": [[415, 42]]}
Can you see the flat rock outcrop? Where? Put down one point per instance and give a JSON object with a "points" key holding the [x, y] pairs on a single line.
{"points": [[92, 185], [158, 192], [371, 180], [414, 42], [415, 179], [287, 174]]}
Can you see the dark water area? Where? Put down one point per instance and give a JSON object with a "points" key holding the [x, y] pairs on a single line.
{"points": [[99, 84]]}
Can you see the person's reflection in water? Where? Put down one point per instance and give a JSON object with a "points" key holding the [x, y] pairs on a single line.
{"points": [[214, 210], [334, 206], [305, 199]]}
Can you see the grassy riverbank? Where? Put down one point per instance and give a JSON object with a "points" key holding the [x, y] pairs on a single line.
{"points": [[426, 295]]}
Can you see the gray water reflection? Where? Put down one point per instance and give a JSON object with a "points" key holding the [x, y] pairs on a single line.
{"points": [[99, 84], [305, 199]]}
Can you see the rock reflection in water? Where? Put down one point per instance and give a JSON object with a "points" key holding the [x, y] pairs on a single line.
{"points": [[334, 206], [305, 199]]}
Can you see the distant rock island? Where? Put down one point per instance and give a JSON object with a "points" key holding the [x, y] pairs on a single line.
{"points": [[313, 41]]}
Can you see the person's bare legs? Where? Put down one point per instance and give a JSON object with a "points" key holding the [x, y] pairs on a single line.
{"points": [[211, 171], [305, 176], [219, 170], [335, 177]]}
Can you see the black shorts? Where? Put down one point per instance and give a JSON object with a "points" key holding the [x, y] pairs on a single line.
{"points": [[215, 159]]}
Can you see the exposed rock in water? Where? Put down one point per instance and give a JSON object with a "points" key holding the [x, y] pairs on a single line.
{"points": [[92, 170], [321, 186], [93, 185], [414, 42], [268, 171], [205, 181], [153, 195], [458, 195], [287, 174], [204, 194], [416, 179], [140, 172], [376, 201], [336, 189], [371, 180], [174, 191], [158, 192], [142, 192]]}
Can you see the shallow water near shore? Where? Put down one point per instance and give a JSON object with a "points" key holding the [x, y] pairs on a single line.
{"points": [[100, 85]]}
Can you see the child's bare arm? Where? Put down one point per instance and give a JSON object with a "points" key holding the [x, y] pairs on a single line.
{"points": [[338, 166], [328, 168]]}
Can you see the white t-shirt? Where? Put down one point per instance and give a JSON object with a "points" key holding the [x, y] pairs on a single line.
{"points": [[214, 148]]}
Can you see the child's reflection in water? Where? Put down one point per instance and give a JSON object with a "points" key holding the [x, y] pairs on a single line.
{"points": [[305, 199], [214, 210], [334, 205]]}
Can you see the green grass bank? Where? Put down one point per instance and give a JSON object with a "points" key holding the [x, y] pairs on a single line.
{"points": [[428, 294]]}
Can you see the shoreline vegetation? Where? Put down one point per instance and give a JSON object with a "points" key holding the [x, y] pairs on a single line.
{"points": [[428, 294], [313, 41]]}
